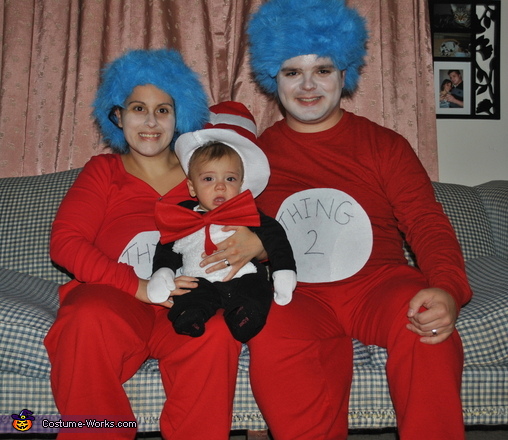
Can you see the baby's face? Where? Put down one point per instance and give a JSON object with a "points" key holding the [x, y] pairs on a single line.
{"points": [[215, 181]]}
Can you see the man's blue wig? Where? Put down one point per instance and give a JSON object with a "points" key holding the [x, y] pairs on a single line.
{"points": [[283, 29], [163, 68]]}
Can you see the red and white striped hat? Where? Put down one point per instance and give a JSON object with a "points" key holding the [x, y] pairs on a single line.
{"points": [[232, 124]]}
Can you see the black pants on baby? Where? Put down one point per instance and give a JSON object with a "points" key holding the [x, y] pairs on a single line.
{"points": [[246, 302]]}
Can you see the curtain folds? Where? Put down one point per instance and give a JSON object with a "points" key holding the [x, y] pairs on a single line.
{"points": [[52, 53]]}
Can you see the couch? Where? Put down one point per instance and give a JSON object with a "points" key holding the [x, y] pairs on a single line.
{"points": [[28, 204]]}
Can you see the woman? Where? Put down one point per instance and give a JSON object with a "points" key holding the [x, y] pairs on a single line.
{"points": [[105, 234], [444, 93]]}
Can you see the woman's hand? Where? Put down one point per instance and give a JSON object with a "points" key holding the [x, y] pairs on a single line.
{"points": [[237, 250], [183, 285]]}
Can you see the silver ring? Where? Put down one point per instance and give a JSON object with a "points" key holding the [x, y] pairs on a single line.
{"points": [[434, 332], [226, 262]]}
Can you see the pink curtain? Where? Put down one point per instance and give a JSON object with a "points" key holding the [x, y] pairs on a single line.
{"points": [[52, 53]]}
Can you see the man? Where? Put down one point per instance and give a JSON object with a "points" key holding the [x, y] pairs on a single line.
{"points": [[456, 95], [345, 189]]}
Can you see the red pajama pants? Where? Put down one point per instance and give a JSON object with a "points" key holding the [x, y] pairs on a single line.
{"points": [[301, 362], [99, 340]]}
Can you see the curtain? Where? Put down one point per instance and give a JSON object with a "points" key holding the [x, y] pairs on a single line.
{"points": [[52, 52]]}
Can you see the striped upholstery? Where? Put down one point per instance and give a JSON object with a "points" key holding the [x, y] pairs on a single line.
{"points": [[467, 215], [494, 196], [28, 306], [28, 206]]}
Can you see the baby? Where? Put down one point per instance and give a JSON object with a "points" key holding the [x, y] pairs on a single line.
{"points": [[225, 171]]}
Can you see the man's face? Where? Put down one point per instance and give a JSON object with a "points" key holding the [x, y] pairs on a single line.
{"points": [[455, 78], [310, 88]]}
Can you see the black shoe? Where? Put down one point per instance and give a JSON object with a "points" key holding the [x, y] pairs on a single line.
{"points": [[190, 322], [243, 323]]}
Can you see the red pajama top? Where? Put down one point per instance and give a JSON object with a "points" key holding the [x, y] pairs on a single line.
{"points": [[104, 231], [374, 186]]}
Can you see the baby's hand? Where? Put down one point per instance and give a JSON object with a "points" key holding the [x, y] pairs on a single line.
{"points": [[284, 283], [161, 285]]}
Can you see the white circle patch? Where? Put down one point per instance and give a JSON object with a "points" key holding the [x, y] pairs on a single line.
{"points": [[139, 253], [330, 233]]}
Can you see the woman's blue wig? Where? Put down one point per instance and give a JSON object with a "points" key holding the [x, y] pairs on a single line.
{"points": [[163, 68], [283, 29]]}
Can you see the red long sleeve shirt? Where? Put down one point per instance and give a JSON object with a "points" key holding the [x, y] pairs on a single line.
{"points": [[104, 231], [379, 170]]}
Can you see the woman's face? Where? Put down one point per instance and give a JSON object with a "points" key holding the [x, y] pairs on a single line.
{"points": [[147, 120], [447, 86]]}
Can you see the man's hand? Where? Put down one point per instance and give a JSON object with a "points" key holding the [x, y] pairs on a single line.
{"points": [[454, 100], [437, 322]]}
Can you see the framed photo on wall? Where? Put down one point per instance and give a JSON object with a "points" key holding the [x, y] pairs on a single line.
{"points": [[452, 83], [465, 48]]}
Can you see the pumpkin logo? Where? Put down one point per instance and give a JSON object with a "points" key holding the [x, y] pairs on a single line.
{"points": [[23, 420]]}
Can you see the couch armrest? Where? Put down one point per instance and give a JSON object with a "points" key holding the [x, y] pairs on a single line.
{"points": [[495, 200], [28, 206], [464, 207]]}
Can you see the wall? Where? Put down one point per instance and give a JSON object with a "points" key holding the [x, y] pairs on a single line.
{"points": [[476, 151]]}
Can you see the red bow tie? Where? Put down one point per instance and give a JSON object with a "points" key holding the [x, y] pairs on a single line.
{"points": [[175, 222]]}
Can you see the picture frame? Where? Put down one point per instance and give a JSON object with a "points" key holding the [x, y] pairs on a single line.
{"points": [[448, 102], [466, 38]]}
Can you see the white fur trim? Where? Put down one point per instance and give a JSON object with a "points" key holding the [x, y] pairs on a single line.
{"points": [[240, 121], [191, 248]]}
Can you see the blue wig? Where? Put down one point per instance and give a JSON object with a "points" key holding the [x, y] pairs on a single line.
{"points": [[163, 68], [283, 29]]}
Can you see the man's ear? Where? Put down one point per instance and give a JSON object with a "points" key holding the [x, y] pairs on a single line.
{"points": [[343, 81], [191, 188], [343, 74]]}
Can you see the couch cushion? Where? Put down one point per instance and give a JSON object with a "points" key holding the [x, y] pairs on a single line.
{"points": [[25, 238], [28, 307], [464, 208], [495, 200]]}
